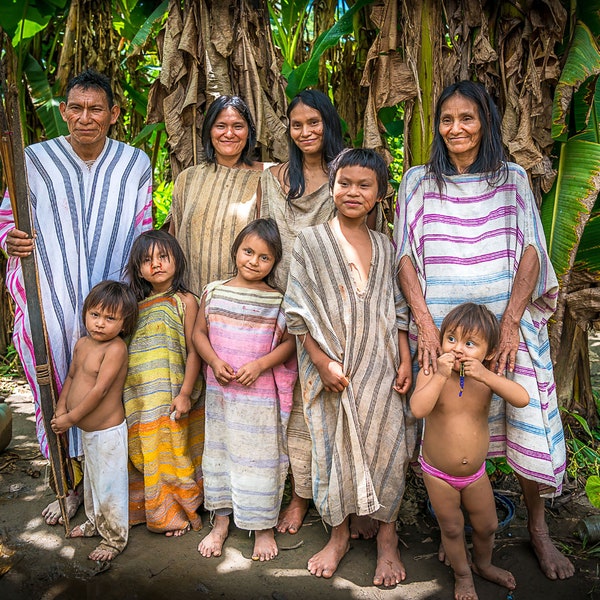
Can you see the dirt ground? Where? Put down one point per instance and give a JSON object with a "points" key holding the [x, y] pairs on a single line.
{"points": [[38, 563]]}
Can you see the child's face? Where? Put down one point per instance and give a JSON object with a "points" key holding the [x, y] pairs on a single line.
{"points": [[254, 259], [103, 325], [158, 269], [355, 191], [473, 345]]}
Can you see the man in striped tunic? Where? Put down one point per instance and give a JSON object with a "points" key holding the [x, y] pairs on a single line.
{"points": [[91, 196]]}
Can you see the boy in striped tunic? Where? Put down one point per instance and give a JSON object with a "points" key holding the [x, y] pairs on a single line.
{"points": [[343, 303]]}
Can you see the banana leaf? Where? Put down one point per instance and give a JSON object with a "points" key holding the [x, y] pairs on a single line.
{"points": [[588, 253], [583, 62], [307, 74], [567, 206]]}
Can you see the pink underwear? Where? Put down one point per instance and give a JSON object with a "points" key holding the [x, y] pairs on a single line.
{"points": [[458, 483]]}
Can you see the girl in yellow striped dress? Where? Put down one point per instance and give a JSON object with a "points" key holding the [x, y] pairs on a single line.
{"points": [[165, 417]]}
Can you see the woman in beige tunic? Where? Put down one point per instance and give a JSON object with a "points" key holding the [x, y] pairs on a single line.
{"points": [[213, 201]]}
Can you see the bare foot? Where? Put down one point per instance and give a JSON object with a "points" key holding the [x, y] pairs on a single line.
{"points": [[496, 575], [464, 588], [178, 532], [325, 562], [265, 546], [390, 569], [52, 514], [553, 563], [290, 519], [364, 527], [76, 532], [212, 544], [102, 553]]}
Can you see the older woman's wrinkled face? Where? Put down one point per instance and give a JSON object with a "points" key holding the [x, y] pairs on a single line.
{"points": [[229, 135], [460, 128]]}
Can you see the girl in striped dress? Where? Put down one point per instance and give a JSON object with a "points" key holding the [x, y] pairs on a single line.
{"points": [[165, 415], [250, 374]]}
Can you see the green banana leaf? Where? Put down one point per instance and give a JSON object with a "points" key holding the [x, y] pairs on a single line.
{"points": [[567, 206], [23, 20], [588, 254], [287, 23], [145, 28], [307, 74], [583, 61], [588, 11], [586, 111], [44, 100]]}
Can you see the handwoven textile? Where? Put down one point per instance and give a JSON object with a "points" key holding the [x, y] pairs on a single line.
{"points": [[245, 461], [363, 437], [165, 476], [466, 245]]}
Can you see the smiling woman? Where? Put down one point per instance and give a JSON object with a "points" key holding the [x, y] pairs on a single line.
{"points": [[214, 200]]}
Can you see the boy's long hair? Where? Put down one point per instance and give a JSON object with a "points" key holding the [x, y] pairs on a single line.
{"points": [[268, 232], [473, 318], [144, 246], [114, 297], [361, 157]]}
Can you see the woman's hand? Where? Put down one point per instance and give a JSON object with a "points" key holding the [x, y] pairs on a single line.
{"points": [[224, 373], [506, 355], [429, 347]]}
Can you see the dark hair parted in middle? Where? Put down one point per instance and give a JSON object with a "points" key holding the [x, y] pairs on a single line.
{"points": [[491, 156], [143, 247], [212, 114], [267, 231], [114, 297], [361, 157], [472, 318], [332, 139]]}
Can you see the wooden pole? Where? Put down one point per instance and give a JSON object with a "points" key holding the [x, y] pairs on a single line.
{"points": [[13, 160]]}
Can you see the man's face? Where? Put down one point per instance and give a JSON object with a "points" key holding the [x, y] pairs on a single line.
{"points": [[88, 116]]}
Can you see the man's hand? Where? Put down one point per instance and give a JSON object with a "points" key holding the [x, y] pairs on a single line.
{"points": [[18, 243]]}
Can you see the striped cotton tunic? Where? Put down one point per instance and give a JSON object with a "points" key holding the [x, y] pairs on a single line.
{"points": [[211, 205], [165, 475], [466, 246], [245, 461], [85, 219], [363, 437]]}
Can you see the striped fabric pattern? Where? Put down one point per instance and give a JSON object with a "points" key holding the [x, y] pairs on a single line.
{"points": [[86, 220], [466, 246], [244, 463], [165, 456], [211, 205], [362, 438]]}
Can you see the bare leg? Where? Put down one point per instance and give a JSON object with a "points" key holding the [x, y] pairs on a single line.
{"points": [[390, 569], [290, 519], [325, 562], [553, 563], [73, 501], [364, 526], [212, 544], [446, 503], [478, 500], [265, 546]]}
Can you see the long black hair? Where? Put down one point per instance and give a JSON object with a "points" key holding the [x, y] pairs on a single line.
{"points": [[491, 156], [333, 142], [221, 103], [144, 246]]}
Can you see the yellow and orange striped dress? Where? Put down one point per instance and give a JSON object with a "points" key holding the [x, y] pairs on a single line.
{"points": [[165, 456]]}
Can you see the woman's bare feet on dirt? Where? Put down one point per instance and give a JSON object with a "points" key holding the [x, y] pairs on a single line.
{"points": [[178, 532], [291, 517], [553, 563], [496, 575], [212, 544], [265, 546], [102, 554], [325, 562], [390, 569], [364, 527], [52, 514], [464, 587]]}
